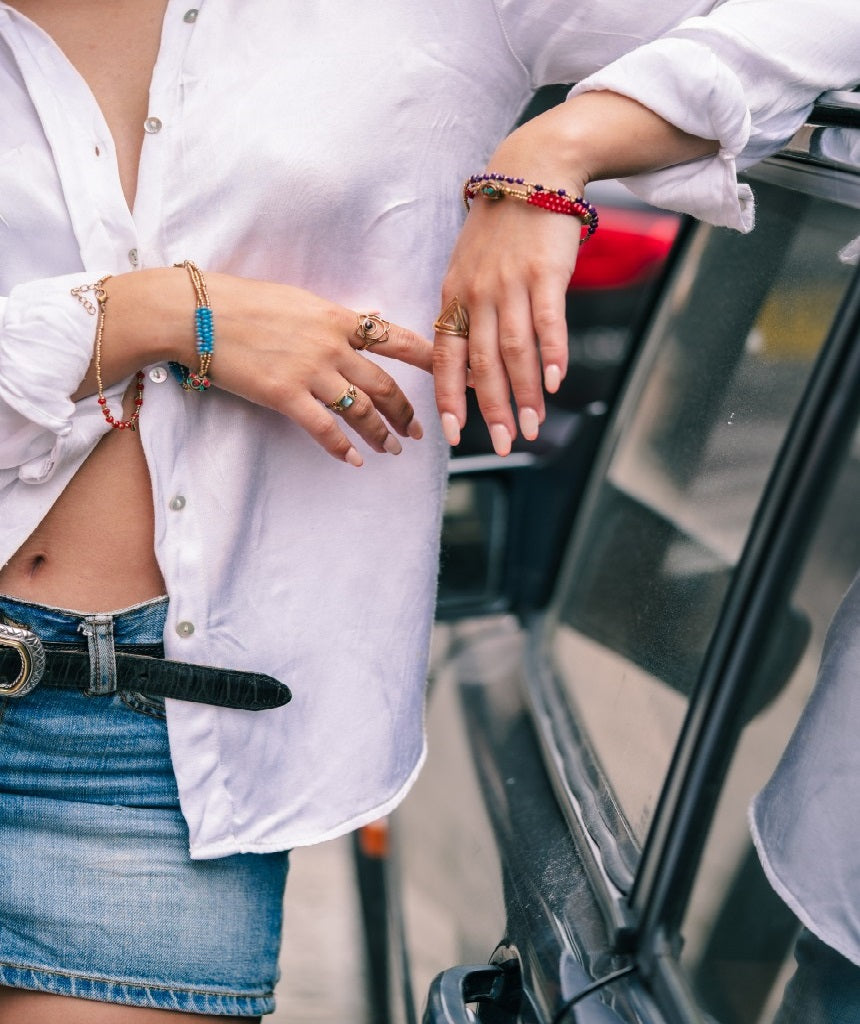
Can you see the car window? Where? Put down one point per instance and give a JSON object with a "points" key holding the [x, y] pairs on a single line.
{"points": [[737, 935], [695, 440]]}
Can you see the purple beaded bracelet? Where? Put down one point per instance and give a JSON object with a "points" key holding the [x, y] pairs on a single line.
{"points": [[556, 200]]}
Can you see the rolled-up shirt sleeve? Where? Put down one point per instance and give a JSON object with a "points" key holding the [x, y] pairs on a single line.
{"points": [[745, 75], [46, 345]]}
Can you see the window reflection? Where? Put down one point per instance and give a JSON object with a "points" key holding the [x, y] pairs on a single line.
{"points": [[661, 534], [737, 933]]}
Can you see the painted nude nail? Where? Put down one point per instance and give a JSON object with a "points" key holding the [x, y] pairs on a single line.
{"points": [[552, 378], [353, 458], [415, 430], [501, 438], [450, 428], [392, 445], [529, 423]]}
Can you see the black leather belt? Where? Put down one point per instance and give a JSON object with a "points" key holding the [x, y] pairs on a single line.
{"points": [[29, 663]]}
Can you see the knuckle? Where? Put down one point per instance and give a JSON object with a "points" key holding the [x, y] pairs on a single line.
{"points": [[495, 412], [447, 357], [513, 346], [361, 408], [403, 336], [335, 316], [386, 389], [376, 433], [403, 414], [546, 319], [337, 444], [329, 433], [276, 397], [481, 363]]}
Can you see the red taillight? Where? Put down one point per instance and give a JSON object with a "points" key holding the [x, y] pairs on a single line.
{"points": [[628, 247]]}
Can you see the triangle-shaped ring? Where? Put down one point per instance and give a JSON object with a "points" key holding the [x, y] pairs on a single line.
{"points": [[453, 320]]}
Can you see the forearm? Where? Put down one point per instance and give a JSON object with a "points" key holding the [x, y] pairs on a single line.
{"points": [[275, 345], [592, 136], [148, 317]]}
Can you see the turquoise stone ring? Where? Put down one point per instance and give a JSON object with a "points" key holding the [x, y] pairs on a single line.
{"points": [[344, 401]]}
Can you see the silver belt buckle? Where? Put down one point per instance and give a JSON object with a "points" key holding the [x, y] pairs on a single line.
{"points": [[32, 654]]}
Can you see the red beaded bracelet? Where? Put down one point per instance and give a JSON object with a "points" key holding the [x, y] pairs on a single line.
{"points": [[98, 289], [556, 200]]}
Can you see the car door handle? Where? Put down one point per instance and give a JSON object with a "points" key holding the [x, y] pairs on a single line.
{"points": [[479, 983]]}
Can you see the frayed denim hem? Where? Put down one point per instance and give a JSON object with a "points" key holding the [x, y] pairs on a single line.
{"points": [[103, 990]]}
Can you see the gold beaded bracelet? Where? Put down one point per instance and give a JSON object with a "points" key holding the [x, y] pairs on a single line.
{"points": [[98, 309], [204, 332]]}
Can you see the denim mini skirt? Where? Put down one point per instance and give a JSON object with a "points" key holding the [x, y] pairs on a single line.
{"points": [[99, 898]]}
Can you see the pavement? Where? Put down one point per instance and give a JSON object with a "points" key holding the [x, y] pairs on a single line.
{"points": [[322, 978]]}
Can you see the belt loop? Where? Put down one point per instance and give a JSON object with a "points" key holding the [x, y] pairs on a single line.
{"points": [[98, 629]]}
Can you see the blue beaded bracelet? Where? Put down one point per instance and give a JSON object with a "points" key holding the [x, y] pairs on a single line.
{"points": [[204, 332]]}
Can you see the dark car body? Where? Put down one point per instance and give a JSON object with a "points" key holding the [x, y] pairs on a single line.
{"points": [[631, 617]]}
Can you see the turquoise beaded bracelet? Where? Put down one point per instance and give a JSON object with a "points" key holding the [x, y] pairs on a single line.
{"points": [[204, 332]]}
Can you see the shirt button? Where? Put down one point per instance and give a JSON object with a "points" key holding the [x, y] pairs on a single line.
{"points": [[158, 375], [185, 628], [177, 503], [133, 257], [190, 15], [152, 125]]}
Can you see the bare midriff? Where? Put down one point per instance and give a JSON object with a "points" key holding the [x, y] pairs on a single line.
{"points": [[94, 550]]}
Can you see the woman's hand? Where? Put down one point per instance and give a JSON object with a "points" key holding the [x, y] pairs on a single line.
{"points": [[512, 262], [509, 271], [276, 346], [294, 352]]}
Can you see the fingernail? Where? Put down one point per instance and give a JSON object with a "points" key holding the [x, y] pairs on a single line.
{"points": [[552, 378], [353, 458], [415, 430], [451, 428], [392, 445], [529, 423], [501, 438]]}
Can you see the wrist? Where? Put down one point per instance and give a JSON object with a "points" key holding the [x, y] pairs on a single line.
{"points": [[150, 317]]}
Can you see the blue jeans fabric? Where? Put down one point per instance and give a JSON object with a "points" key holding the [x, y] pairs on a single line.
{"points": [[99, 898], [824, 989]]}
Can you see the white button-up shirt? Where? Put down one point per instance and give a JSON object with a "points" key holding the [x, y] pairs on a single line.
{"points": [[323, 145]]}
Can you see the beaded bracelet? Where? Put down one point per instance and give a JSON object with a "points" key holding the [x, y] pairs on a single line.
{"points": [[204, 333], [98, 290], [556, 200]]}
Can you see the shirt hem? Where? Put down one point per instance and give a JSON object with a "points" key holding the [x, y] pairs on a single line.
{"points": [[792, 902], [228, 847]]}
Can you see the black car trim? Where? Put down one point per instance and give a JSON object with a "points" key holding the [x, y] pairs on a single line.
{"points": [[839, 108], [828, 183]]}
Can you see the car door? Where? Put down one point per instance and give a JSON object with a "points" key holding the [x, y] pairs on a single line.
{"points": [[577, 847]]}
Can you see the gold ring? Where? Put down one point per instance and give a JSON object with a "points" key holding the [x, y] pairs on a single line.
{"points": [[453, 320], [343, 401], [372, 329]]}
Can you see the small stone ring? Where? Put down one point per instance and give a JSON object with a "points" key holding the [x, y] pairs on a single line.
{"points": [[344, 401], [371, 329]]}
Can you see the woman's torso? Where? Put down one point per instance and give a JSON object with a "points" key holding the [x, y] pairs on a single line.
{"points": [[94, 549]]}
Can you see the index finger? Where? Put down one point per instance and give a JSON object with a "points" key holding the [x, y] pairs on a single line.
{"points": [[374, 333]]}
